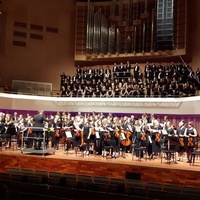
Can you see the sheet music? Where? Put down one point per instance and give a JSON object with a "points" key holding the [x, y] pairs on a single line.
{"points": [[130, 128], [97, 135], [137, 128], [164, 132], [175, 132], [68, 134], [110, 129], [123, 136], [150, 140]]}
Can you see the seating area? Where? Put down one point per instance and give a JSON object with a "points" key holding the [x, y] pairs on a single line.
{"points": [[40, 184]]}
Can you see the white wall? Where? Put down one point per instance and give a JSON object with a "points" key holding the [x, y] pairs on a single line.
{"points": [[180, 106]]}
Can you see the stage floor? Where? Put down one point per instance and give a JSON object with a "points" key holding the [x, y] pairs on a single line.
{"points": [[127, 159]]}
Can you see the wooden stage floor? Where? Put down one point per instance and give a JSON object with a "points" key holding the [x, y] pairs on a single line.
{"points": [[149, 170]]}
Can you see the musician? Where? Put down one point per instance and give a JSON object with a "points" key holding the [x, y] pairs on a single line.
{"points": [[67, 135], [128, 129], [57, 124], [76, 132], [9, 129], [104, 135], [20, 128], [139, 139], [191, 135], [116, 126], [29, 132], [170, 138], [88, 135], [155, 132], [38, 127], [2, 127], [180, 132]]}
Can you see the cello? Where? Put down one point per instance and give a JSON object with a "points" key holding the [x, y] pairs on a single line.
{"points": [[127, 142]]}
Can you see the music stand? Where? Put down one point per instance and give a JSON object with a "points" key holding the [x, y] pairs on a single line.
{"points": [[172, 140]]}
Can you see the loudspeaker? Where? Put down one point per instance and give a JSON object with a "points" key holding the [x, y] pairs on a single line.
{"points": [[165, 25]]}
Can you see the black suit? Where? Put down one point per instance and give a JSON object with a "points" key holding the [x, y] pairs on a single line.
{"points": [[38, 130]]}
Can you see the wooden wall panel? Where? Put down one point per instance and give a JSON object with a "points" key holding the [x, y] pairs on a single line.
{"points": [[189, 176]]}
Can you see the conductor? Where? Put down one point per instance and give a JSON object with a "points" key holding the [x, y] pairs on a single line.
{"points": [[38, 127]]}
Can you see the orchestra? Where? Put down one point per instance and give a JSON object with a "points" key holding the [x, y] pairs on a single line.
{"points": [[91, 133]]}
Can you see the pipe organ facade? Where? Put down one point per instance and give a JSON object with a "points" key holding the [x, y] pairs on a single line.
{"points": [[126, 28]]}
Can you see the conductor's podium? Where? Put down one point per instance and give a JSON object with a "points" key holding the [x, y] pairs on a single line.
{"points": [[42, 150]]}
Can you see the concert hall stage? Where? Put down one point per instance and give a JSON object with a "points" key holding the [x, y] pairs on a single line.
{"points": [[180, 173]]}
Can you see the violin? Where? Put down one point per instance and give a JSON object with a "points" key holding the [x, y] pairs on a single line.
{"points": [[158, 136], [82, 139], [198, 146], [77, 133], [181, 142], [92, 131], [190, 142], [143, 136], [127, 142], [30, 131], [57, 134], [117, 133], [20, 137]]}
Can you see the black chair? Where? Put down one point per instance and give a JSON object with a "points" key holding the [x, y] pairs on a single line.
{"points": [[141, 151], [195, 153], [135, 183], [57, 191], [117, 185], [136, 191], [157, 194], [102, 183], [55, 178], [71, 179], [154, 186], [4, 175], [14, 170], [77, 194], [172, 188], [108, 147], [28, 172], [97, 195], [116, 196], [41, 173], [191, 190]]}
